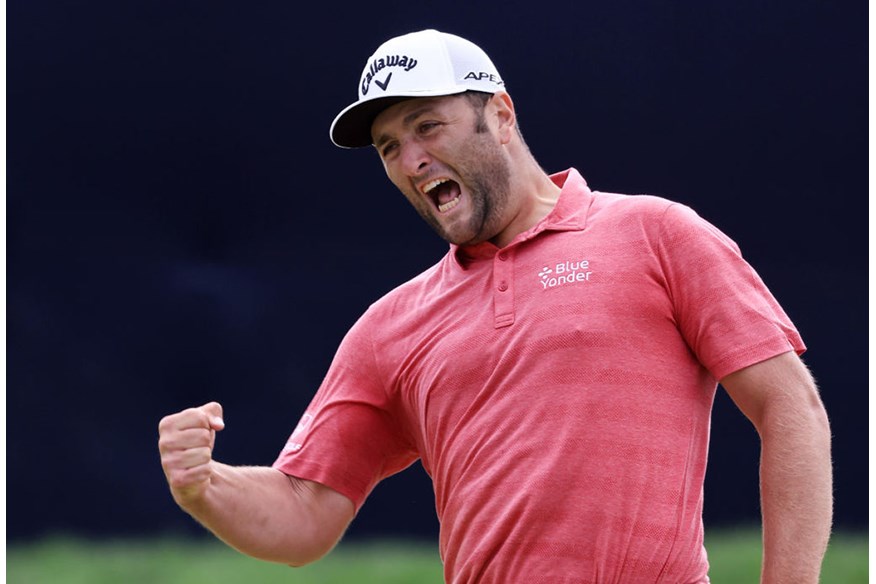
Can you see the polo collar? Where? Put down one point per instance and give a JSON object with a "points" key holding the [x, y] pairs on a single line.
{"points": [[569, 214]]}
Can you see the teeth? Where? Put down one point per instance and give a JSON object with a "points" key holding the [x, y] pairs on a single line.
{"points": [[432, 184], [448, 205]]}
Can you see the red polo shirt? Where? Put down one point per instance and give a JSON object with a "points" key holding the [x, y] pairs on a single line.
{"points": [[558, 391]]}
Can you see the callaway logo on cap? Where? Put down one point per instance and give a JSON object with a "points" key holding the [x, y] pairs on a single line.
{"points": [[420, 64]]}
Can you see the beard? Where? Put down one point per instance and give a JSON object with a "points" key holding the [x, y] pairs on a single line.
{"points": [[486, 178]]}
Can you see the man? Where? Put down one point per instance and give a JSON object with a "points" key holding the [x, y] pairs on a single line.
{"points": [[554, 372]]}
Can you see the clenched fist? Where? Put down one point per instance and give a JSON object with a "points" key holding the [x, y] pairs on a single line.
{"points": [[185, 441]]}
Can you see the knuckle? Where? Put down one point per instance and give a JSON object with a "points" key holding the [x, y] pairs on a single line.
{"points": [[165, 444], [164, 423]]}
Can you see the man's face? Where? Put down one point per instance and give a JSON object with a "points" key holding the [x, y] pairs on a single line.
{"points": [[445, 158]]}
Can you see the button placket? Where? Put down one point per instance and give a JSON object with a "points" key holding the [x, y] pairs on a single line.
{"points": [[503, 289]]}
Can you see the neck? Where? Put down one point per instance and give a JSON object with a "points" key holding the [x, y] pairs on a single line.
{"points": [[535, 196]]}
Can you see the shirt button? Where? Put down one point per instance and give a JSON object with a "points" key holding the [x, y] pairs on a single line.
{"points": [[503, 285], [503, 256]]}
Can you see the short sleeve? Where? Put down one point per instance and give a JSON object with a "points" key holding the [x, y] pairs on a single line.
{"points": [[724, 310], [349, 437]]}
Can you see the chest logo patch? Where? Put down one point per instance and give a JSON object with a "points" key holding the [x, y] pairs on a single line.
{"points": [[565, 273]]}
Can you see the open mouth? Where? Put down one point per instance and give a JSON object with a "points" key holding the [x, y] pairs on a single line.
{"points": [[445, 193]]}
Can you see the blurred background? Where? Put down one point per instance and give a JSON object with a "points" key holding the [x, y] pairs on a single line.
{"points": [[180, 228]]}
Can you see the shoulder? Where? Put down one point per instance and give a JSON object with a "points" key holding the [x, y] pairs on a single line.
{"points": [[408, 295], [667, 218], [632, 202], [630, 207], [635, 215]]}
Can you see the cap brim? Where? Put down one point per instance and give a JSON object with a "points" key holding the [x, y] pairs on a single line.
{"points": [[352, 127]]}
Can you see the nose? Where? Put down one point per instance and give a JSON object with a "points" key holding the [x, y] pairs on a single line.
{"points": [[414, 158]]}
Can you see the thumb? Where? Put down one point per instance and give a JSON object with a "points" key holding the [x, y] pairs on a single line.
{"points": [[214, 415]]}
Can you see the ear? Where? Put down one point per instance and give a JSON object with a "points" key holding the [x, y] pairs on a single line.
{"points": [[503, 110]]}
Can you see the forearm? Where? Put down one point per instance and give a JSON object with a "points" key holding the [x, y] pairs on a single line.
{"points": [[796, 493], [263, 513]]}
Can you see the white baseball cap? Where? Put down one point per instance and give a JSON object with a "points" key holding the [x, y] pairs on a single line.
{"points": [[427, 63]]}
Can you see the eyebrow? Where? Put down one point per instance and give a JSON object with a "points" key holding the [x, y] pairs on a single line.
{"points": [[406, 121]]}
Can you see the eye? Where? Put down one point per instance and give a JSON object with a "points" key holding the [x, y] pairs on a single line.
{"points": [[426, 127], [388, 149]]}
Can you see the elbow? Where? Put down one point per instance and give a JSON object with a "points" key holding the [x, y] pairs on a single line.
{"points": [[295, 552], [314, 543], [817, 419], [797, 429], [312, 553]]}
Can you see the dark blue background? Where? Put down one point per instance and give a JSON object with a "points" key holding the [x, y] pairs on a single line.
{"points": [[180, 229]]}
